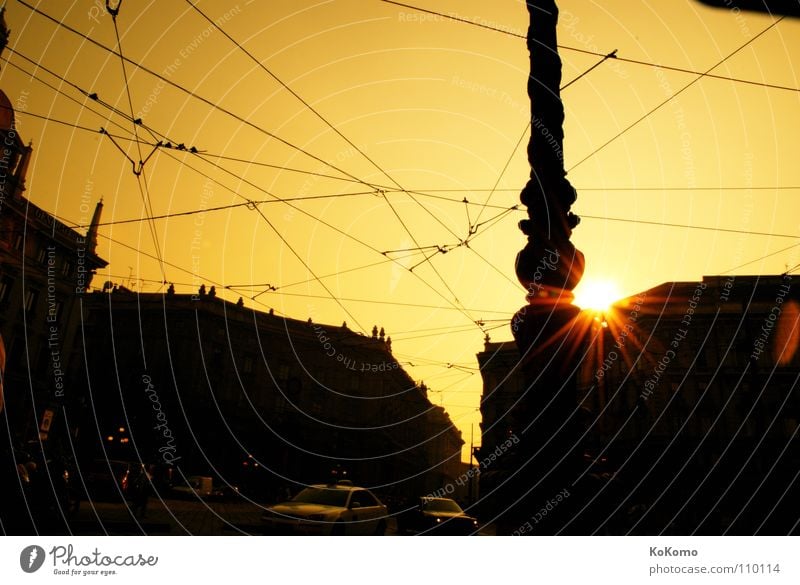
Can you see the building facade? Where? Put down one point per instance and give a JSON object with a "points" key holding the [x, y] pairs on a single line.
{"points": [[688, 394], [257, 400], [45, 269]]}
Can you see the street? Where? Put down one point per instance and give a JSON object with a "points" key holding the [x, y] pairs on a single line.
{"points": [[174, 517]]}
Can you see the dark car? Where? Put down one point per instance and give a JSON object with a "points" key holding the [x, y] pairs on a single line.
{"points": [[439, 516], [107, 480]]}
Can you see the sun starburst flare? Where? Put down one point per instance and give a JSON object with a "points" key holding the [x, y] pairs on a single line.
{"points": [[597, 295]]}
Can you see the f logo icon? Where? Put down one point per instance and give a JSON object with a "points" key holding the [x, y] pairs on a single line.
{"points": [[31, 558]]}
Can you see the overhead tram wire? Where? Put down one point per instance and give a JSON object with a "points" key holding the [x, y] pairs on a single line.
{"points": [[330, 226], [176, 214], [422, 192], [275, 198], [308, 268], [473, 228], [500, 216], [222, 286], [427, 192], [325, 121], [305, 103], [250, 203], [674, 95], [782, 250], [611, 189], [674, 189], [465, 329], [500, 177], [141, 178], [285, 241], [234, 288], [597, 53], [468, 326], [144, 192], [227, 112], [193, 273], [253, 206], [287, 169], [92, 96], [69, 97], [336, 274], [194, 95], [63, 123], [154, 133], [343, 137], [525, 133], [505, 210], [336, 229], [692, 227], [505, 276]]}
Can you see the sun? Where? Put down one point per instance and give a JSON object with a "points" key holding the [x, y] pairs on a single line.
{"points": [[596, 295]]}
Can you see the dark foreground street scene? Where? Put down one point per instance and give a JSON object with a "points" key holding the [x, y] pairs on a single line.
{"points": [[243, 288]]}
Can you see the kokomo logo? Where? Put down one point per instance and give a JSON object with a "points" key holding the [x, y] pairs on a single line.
{"points": [[31, 558]]}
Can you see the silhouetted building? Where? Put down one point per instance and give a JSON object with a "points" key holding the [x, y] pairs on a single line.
{"points": [[45, 268], [263, 401], [689, 394]]}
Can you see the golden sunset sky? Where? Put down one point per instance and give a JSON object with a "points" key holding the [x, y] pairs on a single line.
{"points": [[438, 107]]}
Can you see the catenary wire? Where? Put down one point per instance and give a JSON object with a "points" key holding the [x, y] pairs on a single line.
{"points": [[597, 53], [674, 95]]}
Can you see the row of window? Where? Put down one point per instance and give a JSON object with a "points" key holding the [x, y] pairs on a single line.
{"points": [[30, 301], [17, 241]]}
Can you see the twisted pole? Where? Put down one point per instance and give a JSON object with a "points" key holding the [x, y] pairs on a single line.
{"points": [[549, 266]]}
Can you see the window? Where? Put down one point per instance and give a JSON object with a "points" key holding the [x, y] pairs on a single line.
{"points": [[283, 371], [281, 403], [7, 233], [19, 242], [316, 400], [701, 361], [41, 256], [294, 388], [31, 297], [363, 498], [6, 284], [54, 311], [247, 365], [66, 269]]}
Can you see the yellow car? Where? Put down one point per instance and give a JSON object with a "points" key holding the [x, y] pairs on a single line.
{"points": [[328, 509]]}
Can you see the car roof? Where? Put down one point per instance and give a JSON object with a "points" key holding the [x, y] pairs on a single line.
{"points": [[335, 486]]}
